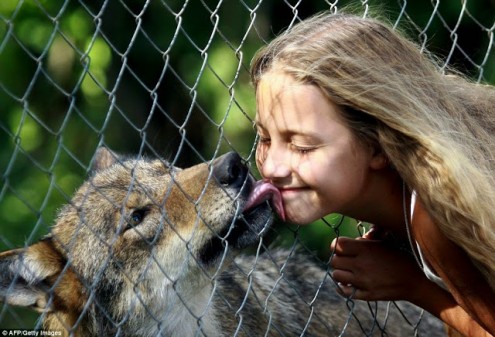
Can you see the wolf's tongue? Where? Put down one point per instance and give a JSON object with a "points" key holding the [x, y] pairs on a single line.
{"points": [[262, 191]]}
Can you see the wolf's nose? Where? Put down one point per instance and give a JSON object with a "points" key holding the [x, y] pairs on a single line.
{"points": [[229, 170]]}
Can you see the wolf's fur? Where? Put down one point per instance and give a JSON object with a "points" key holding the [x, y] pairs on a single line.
{"points": [[144, 249]]}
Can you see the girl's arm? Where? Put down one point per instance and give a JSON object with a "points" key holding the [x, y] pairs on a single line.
{"points": [[465, 282], [378, 272], [442, 304]]}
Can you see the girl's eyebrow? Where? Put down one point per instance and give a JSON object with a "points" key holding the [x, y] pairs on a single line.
{"points": [[289, 132], [310, 134]]}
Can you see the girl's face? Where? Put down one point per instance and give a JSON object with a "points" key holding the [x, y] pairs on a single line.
{"points": [[307, 151]]}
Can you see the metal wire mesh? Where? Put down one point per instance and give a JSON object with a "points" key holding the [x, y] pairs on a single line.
{"points": [[170, 79]]}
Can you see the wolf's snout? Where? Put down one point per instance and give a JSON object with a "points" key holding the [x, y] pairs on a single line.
{"points": [[229, 170]]}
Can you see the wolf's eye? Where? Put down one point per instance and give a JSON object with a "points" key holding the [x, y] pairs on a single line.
{"points": [[136, 217]]}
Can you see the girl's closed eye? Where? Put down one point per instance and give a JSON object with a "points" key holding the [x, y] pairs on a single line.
{"points": [[304, 144], [262, 146], [303, 149], [262, 135], [263, 140]]}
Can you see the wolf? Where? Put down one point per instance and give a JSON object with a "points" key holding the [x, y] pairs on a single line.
{"points": [[145, 248]]}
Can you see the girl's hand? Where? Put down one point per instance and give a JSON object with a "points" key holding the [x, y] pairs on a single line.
{"points": [[372, 270]]}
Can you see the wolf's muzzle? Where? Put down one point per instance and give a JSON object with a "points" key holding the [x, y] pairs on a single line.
{"points": [[246, 225], [230, 171]]}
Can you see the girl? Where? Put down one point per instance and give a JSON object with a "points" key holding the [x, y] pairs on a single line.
{"points": [[353, 119]]}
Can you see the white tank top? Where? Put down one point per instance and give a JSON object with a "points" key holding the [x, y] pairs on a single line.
{"points": [[427, 270]]}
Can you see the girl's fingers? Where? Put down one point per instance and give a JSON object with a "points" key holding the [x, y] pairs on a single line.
{"points": [[348, 286], [343, 276], [348, 290], [342, 262], [344, 246]]}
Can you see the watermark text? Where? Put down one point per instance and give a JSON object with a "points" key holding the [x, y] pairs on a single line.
{"points": [[27, 332]]}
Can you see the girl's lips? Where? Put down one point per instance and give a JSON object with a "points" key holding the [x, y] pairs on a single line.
{"points": [[263, 191], [291, 192]]}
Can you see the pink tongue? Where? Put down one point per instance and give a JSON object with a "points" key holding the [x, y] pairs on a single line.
{"points": [[263, 191]]}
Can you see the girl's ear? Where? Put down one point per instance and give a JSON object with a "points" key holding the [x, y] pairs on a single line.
{"points": [[379, 160]]}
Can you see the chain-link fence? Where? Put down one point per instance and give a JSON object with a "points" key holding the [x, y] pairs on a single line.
{"points": [[170, 79]]}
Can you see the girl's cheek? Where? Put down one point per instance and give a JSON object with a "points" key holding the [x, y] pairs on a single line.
{"points": [[306, 169]]}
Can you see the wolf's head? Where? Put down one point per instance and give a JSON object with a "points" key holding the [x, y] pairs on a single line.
{"points": [[137, 231]]}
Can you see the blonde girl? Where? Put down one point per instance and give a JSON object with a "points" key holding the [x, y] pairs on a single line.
{"points": [[352, 118]]}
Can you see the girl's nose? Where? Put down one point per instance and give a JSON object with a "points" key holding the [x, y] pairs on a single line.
{"points": [[274, 165]]}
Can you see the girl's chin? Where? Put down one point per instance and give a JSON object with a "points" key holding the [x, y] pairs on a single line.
{"points": [[301, 217], [301, 207]]}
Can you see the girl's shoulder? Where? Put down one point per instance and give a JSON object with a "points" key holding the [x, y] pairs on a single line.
{"points": [[464, 281]]}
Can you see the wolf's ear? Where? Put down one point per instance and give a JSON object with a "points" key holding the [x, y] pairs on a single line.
{"points": [[24, 275], [104, 158]]}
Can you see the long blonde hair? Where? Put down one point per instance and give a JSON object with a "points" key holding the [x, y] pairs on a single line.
{"points": [[437, 130]]}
